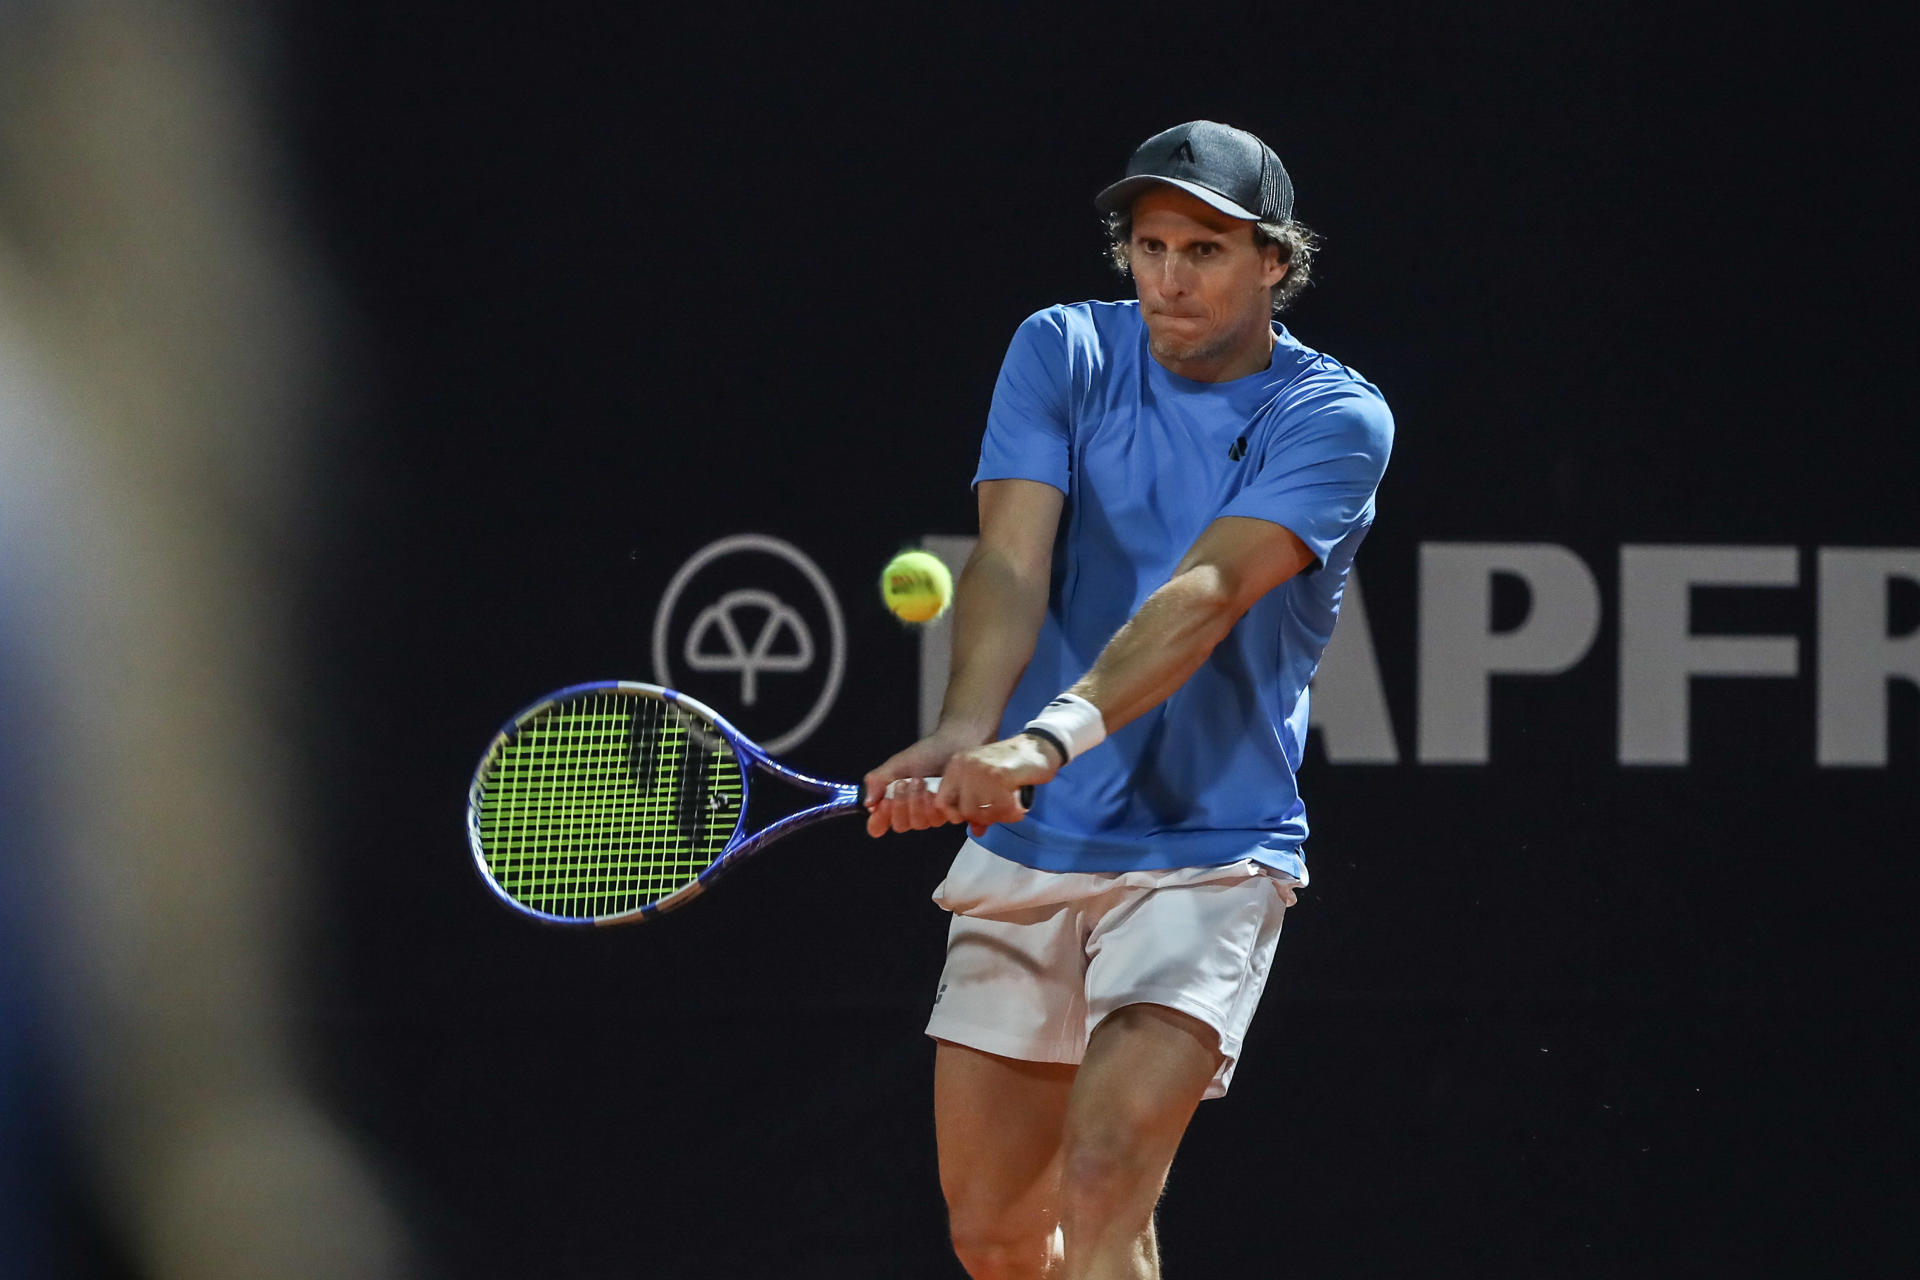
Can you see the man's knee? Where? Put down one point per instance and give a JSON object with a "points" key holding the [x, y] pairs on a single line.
{"points": [[1107, 1167]]}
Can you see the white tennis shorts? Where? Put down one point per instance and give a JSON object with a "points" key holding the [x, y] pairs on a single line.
{"points": [[1035, 959]]}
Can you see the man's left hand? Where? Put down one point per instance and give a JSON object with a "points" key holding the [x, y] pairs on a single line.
{"points": [[982, 786]]}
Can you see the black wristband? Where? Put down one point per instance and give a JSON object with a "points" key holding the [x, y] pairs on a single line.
{"points": [[1051, 739]]}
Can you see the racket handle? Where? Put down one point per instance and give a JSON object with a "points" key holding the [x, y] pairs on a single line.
{"points": [[933, 788]]}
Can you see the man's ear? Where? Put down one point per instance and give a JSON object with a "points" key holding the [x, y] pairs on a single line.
{"points": [[1275, 269]]}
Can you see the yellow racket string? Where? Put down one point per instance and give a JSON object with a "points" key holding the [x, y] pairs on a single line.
{"points": [[607, 803]]}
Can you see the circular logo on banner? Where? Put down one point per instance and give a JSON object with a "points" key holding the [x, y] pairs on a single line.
{"points": [[751, 627]]}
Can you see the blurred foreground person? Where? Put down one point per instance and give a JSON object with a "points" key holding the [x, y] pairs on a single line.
{"points": [[156, 349]]}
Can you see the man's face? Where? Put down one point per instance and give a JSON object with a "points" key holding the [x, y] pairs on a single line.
{"points": [[1204, 286]]}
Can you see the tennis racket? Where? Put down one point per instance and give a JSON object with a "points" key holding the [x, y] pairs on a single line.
{"points": [[612, 802]]}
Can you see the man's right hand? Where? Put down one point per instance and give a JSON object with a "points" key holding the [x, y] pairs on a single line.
{"points": [[912, 807]]}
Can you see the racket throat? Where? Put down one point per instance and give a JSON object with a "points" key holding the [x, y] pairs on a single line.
{"points": [[842, 799]]}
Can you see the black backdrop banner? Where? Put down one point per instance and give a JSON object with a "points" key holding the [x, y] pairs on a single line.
{"points": [[663, 324]]}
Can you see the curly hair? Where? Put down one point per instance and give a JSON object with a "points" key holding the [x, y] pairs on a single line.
{"points": [[1296, 240]]}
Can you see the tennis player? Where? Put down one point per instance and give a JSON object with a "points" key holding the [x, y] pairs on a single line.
{"points": [[1171, 491]]}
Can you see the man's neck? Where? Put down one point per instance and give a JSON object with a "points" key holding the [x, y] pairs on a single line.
{"points": [[1227, 367]]}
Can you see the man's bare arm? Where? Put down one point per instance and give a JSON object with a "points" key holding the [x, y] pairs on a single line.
{"points": [[1233, 563], [999, 602]]}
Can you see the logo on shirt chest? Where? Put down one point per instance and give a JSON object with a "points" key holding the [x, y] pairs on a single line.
{"points": [[1237, 450]]}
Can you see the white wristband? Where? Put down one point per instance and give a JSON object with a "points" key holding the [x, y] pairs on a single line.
{"points": [[1073, 722]]}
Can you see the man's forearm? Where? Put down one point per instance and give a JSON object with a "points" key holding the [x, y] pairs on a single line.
{"points": [[1147, 659], [997, 611], [1160, 646], [1233, 563]]}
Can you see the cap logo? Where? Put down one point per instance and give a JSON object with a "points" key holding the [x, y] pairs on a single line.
{"points": [[1184, 151]]}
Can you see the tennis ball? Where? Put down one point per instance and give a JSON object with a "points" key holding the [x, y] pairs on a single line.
{"points": [[916, 586]]}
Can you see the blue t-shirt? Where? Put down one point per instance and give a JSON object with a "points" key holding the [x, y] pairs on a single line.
{"points": [[1147, 460]]}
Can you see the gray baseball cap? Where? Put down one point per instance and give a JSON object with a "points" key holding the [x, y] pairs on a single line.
{"points": [[1227, 168]]}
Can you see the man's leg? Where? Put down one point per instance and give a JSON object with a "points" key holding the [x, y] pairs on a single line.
{"points": [[1000, 1124], [1146, 1068]]}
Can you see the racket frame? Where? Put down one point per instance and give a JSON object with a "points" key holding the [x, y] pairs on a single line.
{"points": [[841, 798]]}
